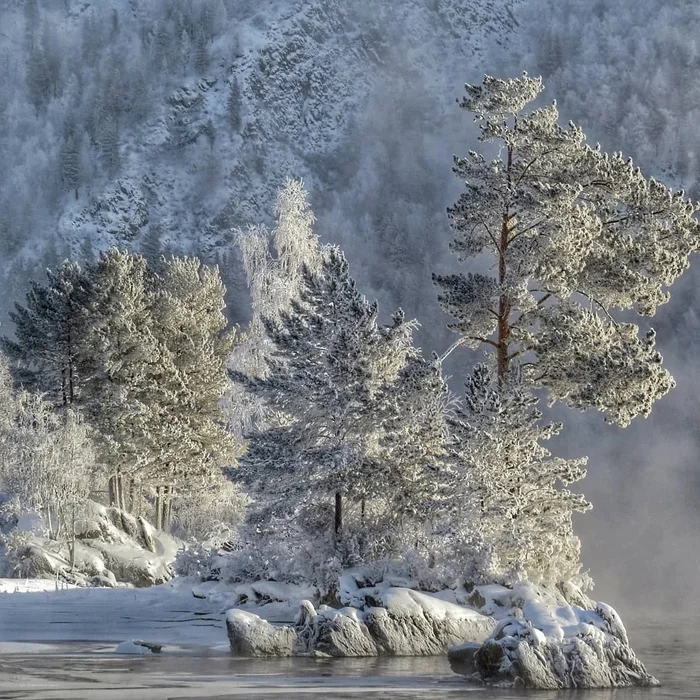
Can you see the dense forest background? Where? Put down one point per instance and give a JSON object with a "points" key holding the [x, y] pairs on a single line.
{"points": [[163, 126]]}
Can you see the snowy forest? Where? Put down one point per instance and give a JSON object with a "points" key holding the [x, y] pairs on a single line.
{"points": [[254, 330]]}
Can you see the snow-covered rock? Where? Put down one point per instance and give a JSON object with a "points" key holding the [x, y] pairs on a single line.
{"points": [[398, 622], [544, 641], [270, 600], [250, 635], [112, 547]]}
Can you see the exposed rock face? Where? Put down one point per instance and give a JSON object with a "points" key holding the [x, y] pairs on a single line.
{"points": [[409, 623], [544, 642]]}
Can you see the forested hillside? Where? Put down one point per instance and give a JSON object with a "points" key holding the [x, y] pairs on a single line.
{"points": [[163, 126]]}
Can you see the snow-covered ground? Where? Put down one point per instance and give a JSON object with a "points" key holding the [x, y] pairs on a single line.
{"points": [[167, 614]]}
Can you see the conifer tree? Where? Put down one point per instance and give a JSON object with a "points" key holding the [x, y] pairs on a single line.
{"points": [[70, 161], [189, 306], [233, 105], [575, 234], [109, 143], [508, 486], [331, 359], [413, 412], [49, 331], [122, 362]]}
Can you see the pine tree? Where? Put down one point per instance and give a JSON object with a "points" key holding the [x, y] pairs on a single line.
{"points": [[48, 334], [109, 143], [201, 53], [574, 234], [70, 160], [38, 78], [122, 363], [189, 305], [234, 105], [331, 360], [413, 413], [152, 246], [509, 487]]}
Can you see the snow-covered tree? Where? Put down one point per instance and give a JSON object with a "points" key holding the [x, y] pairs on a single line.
{"points": [[49, 331], [122, 362], [318, 456], [574, 235], [46, 458], [412, 411], [273, 264], [211, 512], [70, 161], [233, 105], [508, 486], [109, 142], [192, 329]]}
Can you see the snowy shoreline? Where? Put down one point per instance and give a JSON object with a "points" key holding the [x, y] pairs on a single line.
{"points": [[522, 637]]}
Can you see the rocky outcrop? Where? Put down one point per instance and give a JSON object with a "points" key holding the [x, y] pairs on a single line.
{"points": [[250, 635], [402, 622], [542, 641]]}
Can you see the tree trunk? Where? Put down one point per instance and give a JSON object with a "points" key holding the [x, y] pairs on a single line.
{"points": [[112, 485], [120, 490], [72, 540], [63, 386], [159, 508], [132, 495], [504, 302], [168, 507], [338, 512]]}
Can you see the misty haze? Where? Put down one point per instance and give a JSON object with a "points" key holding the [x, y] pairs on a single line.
{"points": [[349, 348]]}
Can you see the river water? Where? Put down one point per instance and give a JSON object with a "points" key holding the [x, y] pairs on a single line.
{"points": [[78, 671]]}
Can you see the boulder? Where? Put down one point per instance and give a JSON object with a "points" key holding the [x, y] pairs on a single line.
{"points": [[331, 632], [412, 623], [461, 657], [542, 641], [251, 636]]}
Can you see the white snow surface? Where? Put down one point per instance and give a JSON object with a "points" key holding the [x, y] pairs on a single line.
{"points": [[270, 600], [113, 547]]}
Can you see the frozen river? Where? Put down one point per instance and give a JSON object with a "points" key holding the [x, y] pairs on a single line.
{"points": [[61, 644]]}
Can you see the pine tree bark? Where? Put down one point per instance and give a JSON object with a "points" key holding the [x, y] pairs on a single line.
{"points": [[503, 301]]}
